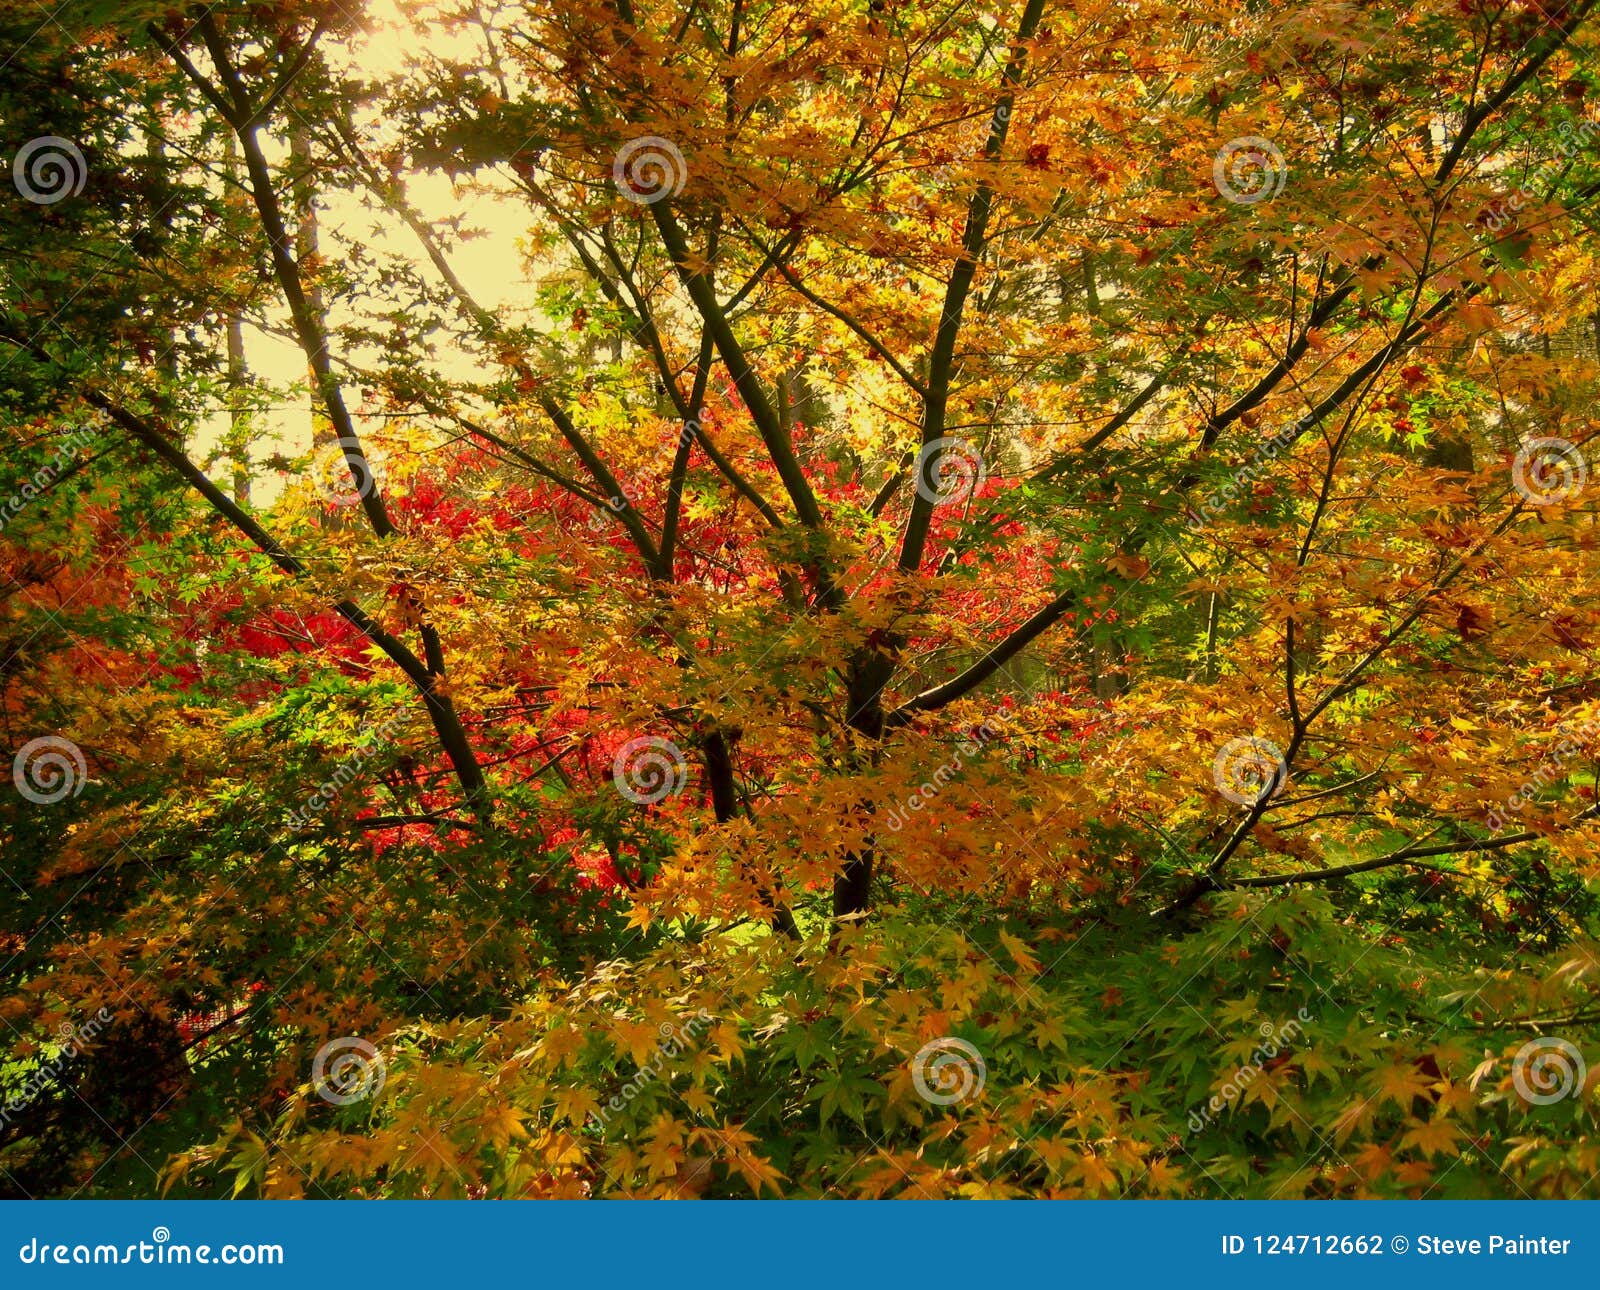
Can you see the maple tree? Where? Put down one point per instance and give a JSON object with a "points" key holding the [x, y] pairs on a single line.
{"points": [[1007, 615]]}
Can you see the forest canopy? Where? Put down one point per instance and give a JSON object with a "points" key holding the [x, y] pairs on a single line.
{"points": [[799, 598]]}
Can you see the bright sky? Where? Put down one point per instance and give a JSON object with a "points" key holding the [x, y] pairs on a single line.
{"points": [[492, 266]]}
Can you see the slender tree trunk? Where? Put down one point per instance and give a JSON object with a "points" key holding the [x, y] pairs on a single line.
{"points": [[718, 753], [307, 246], [852, 885], [238, 444]]}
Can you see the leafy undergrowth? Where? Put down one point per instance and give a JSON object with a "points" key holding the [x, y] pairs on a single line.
{"points": [[1276, 1053]]}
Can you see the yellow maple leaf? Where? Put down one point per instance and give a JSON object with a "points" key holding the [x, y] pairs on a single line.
{"points": [[1098, 1177], [1021, 954], [1413, 1173], [502, 1124], [699, 1100], [661, 1158], [562, 1044], [637, 1038], [576, 1104], [1402, 1084], [1047, 1032], [1373, 1160], [1432, 1137]]}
